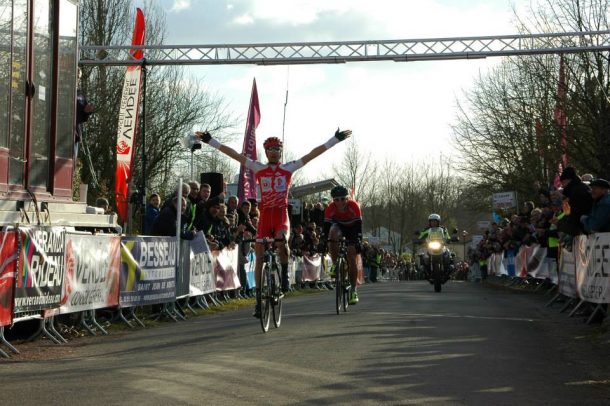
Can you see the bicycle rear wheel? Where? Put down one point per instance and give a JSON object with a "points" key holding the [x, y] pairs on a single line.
{"points": [[339, 285], [346, 287], [276, 301], [265, 298]]}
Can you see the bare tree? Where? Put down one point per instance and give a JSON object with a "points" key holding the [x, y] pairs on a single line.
{"points": [[175, 104], [505, 126], [358, 171]]}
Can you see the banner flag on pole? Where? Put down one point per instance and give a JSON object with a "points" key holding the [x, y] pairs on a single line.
{"points": [[128, 120], [246, 185]]}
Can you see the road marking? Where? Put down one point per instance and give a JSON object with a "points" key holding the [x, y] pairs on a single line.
{"points": [[454, 316]]}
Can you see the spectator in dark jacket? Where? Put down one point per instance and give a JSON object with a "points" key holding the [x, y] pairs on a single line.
{"points": [[580, 202], [152, 211], [599, 219], [317, 214], [165, 223], [243, 218]]}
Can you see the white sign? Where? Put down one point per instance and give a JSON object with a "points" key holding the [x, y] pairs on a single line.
{"points": [[593, 267], [476, 239], [483, 225], [296, 206], [92, 272], [504, 200]]}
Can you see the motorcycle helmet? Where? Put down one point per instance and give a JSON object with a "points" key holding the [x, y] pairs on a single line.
{"points": [[339, 191], [434, 216], [272, 142]]}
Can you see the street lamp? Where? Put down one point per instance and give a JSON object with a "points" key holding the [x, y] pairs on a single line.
{"points": [[464, 236]]}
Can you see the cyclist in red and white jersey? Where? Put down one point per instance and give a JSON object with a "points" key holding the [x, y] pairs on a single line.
{"points": [[343, 217], [274, 179]]}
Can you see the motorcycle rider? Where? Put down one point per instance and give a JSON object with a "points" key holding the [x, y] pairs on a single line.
{"points": [[434, 222]]}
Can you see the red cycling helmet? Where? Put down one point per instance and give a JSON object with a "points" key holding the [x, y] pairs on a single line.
{"points": [[272, 142]]}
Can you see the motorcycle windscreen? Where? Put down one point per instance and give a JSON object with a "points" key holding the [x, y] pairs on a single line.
{"points": [[436, 233]]}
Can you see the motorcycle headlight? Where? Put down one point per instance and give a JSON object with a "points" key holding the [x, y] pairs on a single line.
{"points": [[434, 245]]}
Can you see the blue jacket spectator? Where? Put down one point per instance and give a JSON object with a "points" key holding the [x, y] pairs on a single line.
{"points": [[599, 219], [152, 212]]}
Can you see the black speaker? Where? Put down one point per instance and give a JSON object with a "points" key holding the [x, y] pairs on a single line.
{"points": [[215, 180]]}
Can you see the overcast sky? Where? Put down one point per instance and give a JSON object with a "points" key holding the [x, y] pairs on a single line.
{"points": [[398, 111]]}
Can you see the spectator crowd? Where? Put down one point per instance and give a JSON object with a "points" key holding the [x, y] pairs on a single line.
{"points": [[227, 222], [581, 205]]}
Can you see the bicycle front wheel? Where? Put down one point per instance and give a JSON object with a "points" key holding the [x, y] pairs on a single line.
{"points": [[265, 297], [339, 285], [276, 302]]}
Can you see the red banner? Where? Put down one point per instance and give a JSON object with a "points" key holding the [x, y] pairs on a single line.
{"points": [[246, 186], [128, 121], [8, 260]]}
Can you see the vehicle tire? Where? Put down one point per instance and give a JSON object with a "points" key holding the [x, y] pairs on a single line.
{"points": [[265, 298], [437, 276], [339, 285], [276, 302], [346, 287]]}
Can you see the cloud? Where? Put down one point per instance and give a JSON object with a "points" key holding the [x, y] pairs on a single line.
{"points": [[398, 111], [244, 19], [180, 5]]}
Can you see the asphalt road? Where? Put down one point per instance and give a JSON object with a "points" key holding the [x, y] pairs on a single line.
{"points": [[403, 344]]}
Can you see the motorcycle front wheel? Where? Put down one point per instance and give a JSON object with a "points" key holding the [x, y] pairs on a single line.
{"points": [[437, 275]]}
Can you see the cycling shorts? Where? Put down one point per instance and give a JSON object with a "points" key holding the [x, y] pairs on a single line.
{"points": [[350, 233], [271, 221]]}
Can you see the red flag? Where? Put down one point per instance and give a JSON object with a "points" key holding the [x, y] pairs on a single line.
{"points": [[128, 120], [246, 185]]}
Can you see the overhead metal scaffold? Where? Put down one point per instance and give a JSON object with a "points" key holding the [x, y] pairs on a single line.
{"points": [[351, 51]]}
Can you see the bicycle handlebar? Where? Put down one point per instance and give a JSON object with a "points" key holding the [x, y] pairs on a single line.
{"points": [[264, 240]]}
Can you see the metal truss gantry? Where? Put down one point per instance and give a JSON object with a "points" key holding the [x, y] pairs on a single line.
{"points": [[351, 51]]}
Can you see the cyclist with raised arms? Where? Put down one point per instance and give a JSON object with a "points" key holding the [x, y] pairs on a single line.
{"points": [[274, 179], [343, 217]]}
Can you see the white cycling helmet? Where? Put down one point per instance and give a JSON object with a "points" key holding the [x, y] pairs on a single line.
{"points": [[434, 216]]}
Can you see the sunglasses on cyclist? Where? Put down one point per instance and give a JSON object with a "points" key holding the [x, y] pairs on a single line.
{"points": [[274, 149], [339, 199]]}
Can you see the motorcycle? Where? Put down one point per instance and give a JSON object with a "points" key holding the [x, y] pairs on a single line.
{"points": [[436, 250]]}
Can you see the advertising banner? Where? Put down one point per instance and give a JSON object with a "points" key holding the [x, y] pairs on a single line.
{"points": [[40, 273], [537, 265], [127, 127], [495, 264], [8, 261], [592, 257], [567, 273], [551, 264], [311, 268], [225, 269], [508, 261], [148, 270], [521, 261], [202, 278], [250, 277], [504, 200], [183, 270], [92, 264]]}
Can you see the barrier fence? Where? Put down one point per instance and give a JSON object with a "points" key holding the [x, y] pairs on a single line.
{"points": [[582, 273], [51, 271]]}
